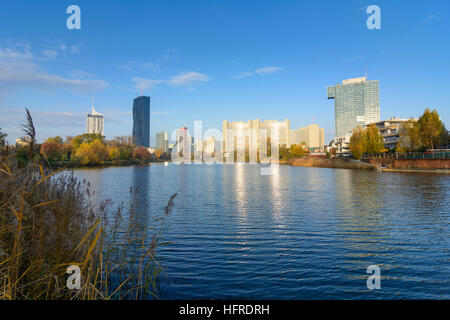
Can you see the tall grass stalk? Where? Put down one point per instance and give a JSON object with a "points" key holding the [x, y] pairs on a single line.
{"points": [[50, 220]]}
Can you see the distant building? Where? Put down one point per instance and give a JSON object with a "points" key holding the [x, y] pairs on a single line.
{"points": [[207, 146], [341, 144], [141, 121], [356, 103], [184, 141], [389, 129], [22, 142], [312, 136], [94, 122], [239, 135], [162, 141]]}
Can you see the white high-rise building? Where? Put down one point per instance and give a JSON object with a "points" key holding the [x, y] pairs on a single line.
{"points": [[94, 122]]}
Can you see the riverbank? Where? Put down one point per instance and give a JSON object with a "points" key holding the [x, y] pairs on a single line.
{"points": [[422, 165], [102, 164], [330, 163], [416, 170]]}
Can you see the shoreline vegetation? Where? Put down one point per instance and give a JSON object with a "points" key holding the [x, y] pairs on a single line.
{"points": [[330, 163], [51, 224]]}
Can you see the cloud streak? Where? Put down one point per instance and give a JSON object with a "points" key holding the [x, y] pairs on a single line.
{"points": [[260, 71], [188, 79]]}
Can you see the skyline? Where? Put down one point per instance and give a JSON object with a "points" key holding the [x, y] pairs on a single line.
{"points": [[215, 61]]}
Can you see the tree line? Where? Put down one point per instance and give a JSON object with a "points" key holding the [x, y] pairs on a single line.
{"points": [[428, 132], [86, 149]]}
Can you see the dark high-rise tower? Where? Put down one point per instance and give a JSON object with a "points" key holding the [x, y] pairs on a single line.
{"points": [[141, 121]]}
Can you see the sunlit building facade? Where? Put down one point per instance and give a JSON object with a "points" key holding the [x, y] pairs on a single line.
{"points": [[312, 135], [356, 102], [254, 134]]}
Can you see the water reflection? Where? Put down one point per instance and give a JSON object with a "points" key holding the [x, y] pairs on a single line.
{"points": [[306, 233]]}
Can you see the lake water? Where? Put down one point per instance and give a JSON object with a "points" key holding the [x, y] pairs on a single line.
{"points": [[304, 233]]}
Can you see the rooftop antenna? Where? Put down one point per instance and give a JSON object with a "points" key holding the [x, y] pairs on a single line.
{"points": [[366, 72], [93, 111], [141, 92]]}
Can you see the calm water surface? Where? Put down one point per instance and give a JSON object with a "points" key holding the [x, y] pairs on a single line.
{"points": [[304, 233]]}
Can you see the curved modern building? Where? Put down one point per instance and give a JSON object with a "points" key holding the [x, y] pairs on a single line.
{"points": [[141, 121]]}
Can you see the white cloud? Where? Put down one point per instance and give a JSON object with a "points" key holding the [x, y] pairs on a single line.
{"points": [[76, 49], [431, 17], [188, 79], [144, 84], [49, 54], [81, 74], [18, 70], [260, 71], [155, 66]]}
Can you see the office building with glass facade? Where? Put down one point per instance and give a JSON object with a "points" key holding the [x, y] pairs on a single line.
{"points": [[141, 121], [356, 103], [162, 141]]}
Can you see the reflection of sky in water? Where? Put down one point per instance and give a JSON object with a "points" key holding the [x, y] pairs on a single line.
{"points": [[302, 233]]}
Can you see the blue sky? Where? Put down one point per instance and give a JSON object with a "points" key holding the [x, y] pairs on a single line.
{"points": [[215, 60]]}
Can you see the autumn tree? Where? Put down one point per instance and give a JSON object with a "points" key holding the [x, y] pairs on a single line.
{"points": [[114, 153], [125, 146], [357, 143], [141, 153], [373, 140], [52, 150], [431, 129], [426, 133], [92, 152], [87, 137], [409, 137], [298, 150], [158, 153]]}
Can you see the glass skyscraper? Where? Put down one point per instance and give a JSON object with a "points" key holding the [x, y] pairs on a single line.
{"points": [[356, 103], [141, 121]]}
